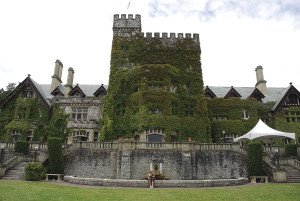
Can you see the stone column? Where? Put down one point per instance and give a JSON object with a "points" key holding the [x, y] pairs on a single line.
{"points": [[124, 160], [125, 164], [91, 135], [187, 169]]}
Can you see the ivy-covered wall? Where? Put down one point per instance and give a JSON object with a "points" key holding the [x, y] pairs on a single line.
{"points": [[155, 84], [23, 115], [227, 115], [6, 116], [281, 123]]}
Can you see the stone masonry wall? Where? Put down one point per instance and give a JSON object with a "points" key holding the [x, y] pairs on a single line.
{"points": [[91, 163], [174, 164]]}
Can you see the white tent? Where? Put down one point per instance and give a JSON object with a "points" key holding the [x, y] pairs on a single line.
{"points": [[264, 133]]}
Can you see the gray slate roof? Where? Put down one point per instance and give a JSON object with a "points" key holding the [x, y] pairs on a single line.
{"points": [[88, 89], [274, 94]]}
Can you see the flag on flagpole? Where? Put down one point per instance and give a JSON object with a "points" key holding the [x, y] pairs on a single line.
{"points": [[128, 5]]}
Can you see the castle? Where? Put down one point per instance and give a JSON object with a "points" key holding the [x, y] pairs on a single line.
{"points": [[155, 94]]}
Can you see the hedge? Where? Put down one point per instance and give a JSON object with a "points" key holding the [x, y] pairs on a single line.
{"points": [[254, 158], [291, 150], [56, 158], [34, 171], [22, 147]]}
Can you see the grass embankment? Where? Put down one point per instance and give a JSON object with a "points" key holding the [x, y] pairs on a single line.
{"points": [[21, 190]]}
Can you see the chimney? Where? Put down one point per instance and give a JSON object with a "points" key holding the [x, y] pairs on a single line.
{"points": [[261, 82], [69, 85], [56, 78]]}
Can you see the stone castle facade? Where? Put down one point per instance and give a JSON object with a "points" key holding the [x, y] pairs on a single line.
{"points": [[156, 94], [154, 114]]}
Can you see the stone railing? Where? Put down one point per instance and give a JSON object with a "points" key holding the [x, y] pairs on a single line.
{"points": [[11, 163], [31, 145], [95, 145], [160, 146], [267, 150], [7, 145], [290, 161], [275, 173]]}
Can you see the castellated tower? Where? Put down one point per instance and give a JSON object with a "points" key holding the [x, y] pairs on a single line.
{"points": [[155, 89], [127, 26]]}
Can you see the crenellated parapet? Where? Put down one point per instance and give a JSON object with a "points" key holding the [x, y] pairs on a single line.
{"points": [[165, 35], [127, 25], [130, 25]]}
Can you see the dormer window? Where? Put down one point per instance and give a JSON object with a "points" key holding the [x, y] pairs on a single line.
{"points": [[77, 92], [100, 92]]}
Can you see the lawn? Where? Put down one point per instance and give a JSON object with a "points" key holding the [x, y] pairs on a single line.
{"points": [[43, 191]]}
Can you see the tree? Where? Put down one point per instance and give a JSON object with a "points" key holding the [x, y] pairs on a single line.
{"points": [[9, 88], [58, 123]]}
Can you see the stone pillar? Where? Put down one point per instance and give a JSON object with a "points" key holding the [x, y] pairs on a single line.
{"points": [[91, 135], [279, 176], [124, 160], [187, 169], [125, 164]]}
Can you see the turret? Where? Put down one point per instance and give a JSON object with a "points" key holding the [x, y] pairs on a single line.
{"points": [[261, 82], [127, 26], [69, 85], [56, 78]]}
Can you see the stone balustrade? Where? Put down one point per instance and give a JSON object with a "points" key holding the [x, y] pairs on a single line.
{"points": [[273, 149], [31, 145], [158, 146]]}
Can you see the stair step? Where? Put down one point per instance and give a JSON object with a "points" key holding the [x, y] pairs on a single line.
{"points": [[15, 173]]}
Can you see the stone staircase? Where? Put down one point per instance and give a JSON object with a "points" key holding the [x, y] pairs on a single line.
{"points": [[292, 174], [15, 173]]}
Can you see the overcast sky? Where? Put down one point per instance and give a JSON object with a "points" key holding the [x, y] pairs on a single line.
{"points": [[235, 36]]}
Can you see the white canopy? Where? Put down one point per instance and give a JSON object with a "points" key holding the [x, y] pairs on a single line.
{"points": [[263, 132]]}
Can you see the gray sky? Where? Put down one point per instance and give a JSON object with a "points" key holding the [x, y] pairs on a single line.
{"points": [[235, 36]]}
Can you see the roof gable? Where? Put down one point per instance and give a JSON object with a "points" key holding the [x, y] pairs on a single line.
{"points": [[209, 93], [101, 91], [28, 88], [57, 92], [232, 93], [288, 97], [257, 95], [76, 91]]}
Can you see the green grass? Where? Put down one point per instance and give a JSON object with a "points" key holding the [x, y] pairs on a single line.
{"points": [[43, 191]]}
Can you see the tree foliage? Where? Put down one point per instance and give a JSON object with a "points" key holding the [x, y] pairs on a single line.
{"points": [[58, 123], [56, 158], [254, 158]]}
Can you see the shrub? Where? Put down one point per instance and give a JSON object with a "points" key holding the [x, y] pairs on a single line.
{"points": [[34, 171], [254, 158], [22, 147], [290, 150], [56, 158]]}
